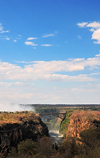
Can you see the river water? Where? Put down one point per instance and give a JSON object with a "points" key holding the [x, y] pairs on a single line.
{"points": [[56, 135]]}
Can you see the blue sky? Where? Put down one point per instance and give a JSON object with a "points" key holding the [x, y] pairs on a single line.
{"points": [[49, 51]]}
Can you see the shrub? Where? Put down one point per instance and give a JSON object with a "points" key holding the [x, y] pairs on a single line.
{"points": [[69, 148], [45, 147], [27, 147], [91, 137]]}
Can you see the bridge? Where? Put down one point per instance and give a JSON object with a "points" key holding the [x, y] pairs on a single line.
{"points": [[60, 115]]}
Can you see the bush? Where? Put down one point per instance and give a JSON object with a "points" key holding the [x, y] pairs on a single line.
{"points": [[69, 148], [45, 147], [27, 147], [91, 137]]}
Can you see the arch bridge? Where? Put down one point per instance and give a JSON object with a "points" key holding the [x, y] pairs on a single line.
{"points": [[60, 115]]}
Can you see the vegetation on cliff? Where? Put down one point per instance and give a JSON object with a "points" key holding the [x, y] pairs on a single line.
{"points": [[65, 122]]}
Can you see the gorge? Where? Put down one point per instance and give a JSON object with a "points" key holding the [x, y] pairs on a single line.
{"points": [[20, 130]]}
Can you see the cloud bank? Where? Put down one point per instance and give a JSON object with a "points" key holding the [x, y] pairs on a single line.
{"points": [[50, 70]]}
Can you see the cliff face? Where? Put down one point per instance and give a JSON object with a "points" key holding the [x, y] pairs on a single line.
{"points": [[18, 127], [82, 120]]}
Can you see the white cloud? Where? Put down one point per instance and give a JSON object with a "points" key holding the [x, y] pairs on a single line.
{"points": [[15, 40], [24, 62], [92, 30], [79, 37], [96, 36], [48, 35], [94, 24], [96, 73], [30, 43], [97, 55], [95, 28], [78, 59], [4, 31], [5, 84], [42, 70], [23, 84], [83, 24], [88, 88], [46, 45], [31, 38], [7, 38], [80, 78], [1, 29], [3, 37]]}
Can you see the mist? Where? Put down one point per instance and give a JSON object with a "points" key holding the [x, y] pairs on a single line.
{"points": [[12, 107]]}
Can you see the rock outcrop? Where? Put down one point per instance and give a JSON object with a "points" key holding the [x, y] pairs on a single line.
{"points": [[19, 126], [82, 120]]}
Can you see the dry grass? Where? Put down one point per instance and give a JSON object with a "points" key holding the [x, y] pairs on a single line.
{"points": [[86, 115], [17, 117]]}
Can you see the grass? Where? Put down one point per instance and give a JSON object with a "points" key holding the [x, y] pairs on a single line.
{"points": [[65, 123], [17, 117]]}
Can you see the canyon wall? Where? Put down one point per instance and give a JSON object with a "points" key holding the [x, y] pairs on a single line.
{"points": [[19, 126], [82, 120]]}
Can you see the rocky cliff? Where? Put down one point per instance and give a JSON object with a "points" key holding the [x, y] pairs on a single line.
{"points": [[82, 120], [15, 127]]}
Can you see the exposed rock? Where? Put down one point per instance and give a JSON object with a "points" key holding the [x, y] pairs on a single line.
{"points": [[26, 126], [82, 120]]}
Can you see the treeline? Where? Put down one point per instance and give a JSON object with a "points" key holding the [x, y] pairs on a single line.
{"points": [[46, 110]]}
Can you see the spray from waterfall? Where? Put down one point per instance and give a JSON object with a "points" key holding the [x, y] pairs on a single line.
{"points": [[12, 107]]}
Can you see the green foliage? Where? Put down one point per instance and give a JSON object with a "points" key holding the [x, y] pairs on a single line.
{"points": [[65, 122], [68, 149], [45, 147], [90, 154], [13, 153], [91, 137], [69, 113], [46, 109], [64, 125], [27, 147], [91, 143]]}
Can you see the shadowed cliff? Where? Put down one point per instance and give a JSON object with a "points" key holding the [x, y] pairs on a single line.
{"points": [[19, 126]]}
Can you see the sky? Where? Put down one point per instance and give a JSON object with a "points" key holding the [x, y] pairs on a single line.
{"points": [[49, 52]]}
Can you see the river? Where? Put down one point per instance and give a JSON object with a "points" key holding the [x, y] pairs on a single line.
{"points": [[56, 135], [51, 121]]}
